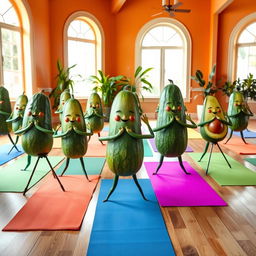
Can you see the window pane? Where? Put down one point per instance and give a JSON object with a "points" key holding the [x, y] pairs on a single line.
{"points": [[151, 59], [246, 61], [80, 29], [12, 74], [174, 69], [83, 55], [162, 36], [8, 14], [248, 35]]}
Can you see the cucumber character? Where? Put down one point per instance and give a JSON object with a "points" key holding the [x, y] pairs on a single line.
{"points": [[171, 129], [238, 113], [37, 132], [213, 126], [125, 147], [74, 134], [16, 116], [94, 114]]}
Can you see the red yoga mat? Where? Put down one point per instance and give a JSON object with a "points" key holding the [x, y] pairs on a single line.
{"points": [[52, 209], [175, 188], [237, 145]]}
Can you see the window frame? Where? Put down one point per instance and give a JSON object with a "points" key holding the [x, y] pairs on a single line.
{"points": [[99, 38], [185, 35]]}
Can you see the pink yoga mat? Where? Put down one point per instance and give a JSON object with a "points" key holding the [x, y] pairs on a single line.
{"points": [[175, 188], [152, 142]]}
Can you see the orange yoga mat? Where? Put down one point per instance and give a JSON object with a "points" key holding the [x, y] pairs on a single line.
{"points": [[237, 145], [52, 209], [95, 148]]}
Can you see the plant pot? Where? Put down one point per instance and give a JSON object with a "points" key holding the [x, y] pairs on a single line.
{"points": [[106, 112], [199, 109]]}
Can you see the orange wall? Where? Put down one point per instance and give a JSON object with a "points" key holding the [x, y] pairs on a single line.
{"points": [[237, 10], [41, 42], [134, 14], [60, 10]]}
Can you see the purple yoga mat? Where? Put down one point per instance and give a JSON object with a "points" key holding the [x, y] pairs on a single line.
{"points": [[152, 142], [175, 188]]}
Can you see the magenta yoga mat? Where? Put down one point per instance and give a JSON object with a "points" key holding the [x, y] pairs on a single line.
{"points": [[152, 142], [175, 188]]}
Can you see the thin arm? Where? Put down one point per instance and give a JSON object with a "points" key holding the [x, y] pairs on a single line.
{"points": [[120, 132]]}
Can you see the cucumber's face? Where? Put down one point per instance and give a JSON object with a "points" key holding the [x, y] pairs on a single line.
{"points": [[94, 102], [20, 104], [174, 107], [238, 103], [4, 100], [125, 112], [63, 98], [72, 115]]}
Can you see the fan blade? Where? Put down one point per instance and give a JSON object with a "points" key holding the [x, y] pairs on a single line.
{"points": [[176, 5], [156, 14], [181, 10]]}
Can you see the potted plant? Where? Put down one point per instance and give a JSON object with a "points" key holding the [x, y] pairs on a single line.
{"points": [[207, 88], [64, 81], [108, 87]]}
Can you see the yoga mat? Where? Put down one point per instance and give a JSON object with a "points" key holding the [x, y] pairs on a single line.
{"points": [[52, 209], [251, 160], [93, 166], [246, 133], [193, 134], [127, 224], [12, 179], [175, 188], [147, 149], [238, 175], [237, 145], [152, 142], [4, 149]]}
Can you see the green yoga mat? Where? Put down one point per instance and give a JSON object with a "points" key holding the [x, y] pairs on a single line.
{"points": [[238, 175], [251, 160], [147, 149], [12, 179], [93, 166]]}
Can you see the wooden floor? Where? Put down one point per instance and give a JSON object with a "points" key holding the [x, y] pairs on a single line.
{"points": [[202, 231]]}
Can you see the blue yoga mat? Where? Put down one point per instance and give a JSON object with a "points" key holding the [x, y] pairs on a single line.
{"points": [[246, 133], [147, 149], [93, 166], [4, 149], [127, 224]]}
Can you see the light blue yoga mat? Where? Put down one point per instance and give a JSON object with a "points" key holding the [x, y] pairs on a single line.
{"points": [[246, 133], [147, 149], [93, 166], [127, 224], [4, 149]]}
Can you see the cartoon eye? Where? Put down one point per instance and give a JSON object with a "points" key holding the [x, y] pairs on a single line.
{"points": [[41, 114], [132, 118], [29, 113], [78, 119], [167, 108], [179, 108], [17, 108], [117, 118], [67, 119]]}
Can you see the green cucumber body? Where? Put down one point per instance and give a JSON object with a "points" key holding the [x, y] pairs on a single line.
{"points": [[5, 111]]}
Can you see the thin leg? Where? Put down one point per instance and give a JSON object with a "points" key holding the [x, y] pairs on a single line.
{"points": [[242, 136], [66, 166], [14, 145], [182, 166], [54, 174], [16, 141], [28, 163], [99, 137], [205, 150], [113, 187], [26, 188], [209, 160], [139, 187], [89, 139], [83, 167], [231, 133], [159, 165], [223, 155]]}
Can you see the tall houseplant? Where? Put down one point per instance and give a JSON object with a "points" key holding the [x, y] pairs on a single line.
{"points": [[64, 81], [107, 86]]}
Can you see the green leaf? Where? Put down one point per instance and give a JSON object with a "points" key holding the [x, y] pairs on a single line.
{"points": [[138, 70], [145, 71], [212, 72]]}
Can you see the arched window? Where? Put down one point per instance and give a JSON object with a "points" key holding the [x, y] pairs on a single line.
{"points": [[242, 49], [84, 50], [165, 45], [11, 73]]}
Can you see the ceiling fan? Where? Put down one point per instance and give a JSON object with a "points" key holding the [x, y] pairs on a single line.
{"points": [[172, 8]]}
